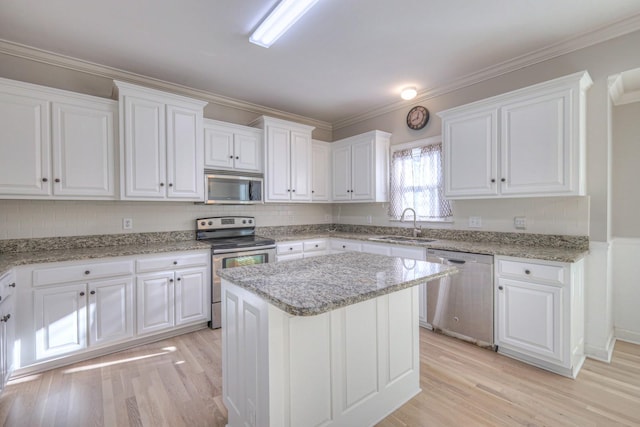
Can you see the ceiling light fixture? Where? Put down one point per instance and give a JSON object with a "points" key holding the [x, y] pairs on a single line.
{"points": [[408, 93], [279, 21]]}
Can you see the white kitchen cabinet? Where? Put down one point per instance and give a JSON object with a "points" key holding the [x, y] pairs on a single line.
{"points": [[229, 146], [155, 302], [7, 327], [287, 160], [57, 144], [286, 251], [320, 171], [360, 168], [540, 313], [110, 311], [161, 145], [530, 142], [191, 292]]}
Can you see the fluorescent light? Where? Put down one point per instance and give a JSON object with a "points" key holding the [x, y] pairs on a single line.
{"points": [[408, 93], [279, 21]]}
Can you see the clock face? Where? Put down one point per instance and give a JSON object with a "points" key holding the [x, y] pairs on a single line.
{"points": [[417, 117]]}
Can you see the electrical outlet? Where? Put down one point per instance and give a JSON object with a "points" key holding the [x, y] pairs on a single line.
{"points": [[520, 222], [475, 222], [127, 223], [369, 219]]}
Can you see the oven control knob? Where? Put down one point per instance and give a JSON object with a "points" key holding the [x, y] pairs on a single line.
{"points": [[210, 222], [244, 221], [202, 223], [250, 221]]}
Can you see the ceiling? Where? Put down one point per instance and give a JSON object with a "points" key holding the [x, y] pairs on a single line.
{"points": [[343, 59]]}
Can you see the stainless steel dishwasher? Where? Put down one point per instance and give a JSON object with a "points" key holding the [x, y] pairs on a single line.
{"points": [[461, 305]]}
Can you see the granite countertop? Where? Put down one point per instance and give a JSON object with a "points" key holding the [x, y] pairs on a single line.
{"points": [[547, 253], [10, 260], [311, 286]]}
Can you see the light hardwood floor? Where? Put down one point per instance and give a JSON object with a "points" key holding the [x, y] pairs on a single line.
{"points": [[177, 382]]}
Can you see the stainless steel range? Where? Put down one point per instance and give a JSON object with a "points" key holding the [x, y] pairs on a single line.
{"points": [[233, 244]]}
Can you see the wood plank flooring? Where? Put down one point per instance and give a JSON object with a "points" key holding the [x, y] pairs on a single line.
{"points": [[178, 382]]}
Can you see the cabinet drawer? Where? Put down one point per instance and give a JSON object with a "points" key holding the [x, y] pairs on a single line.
{"points": [[532, 271], [346, 245], [289, 248], [315, 245], [172, 262], [84, 272]]}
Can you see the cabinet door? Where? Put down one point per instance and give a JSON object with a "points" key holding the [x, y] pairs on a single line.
{"points": [[24, 147], [110, 311], [536, 145], [470, 148], [320, 171], [362, 172], [278, 164], [144, 149], [422, 306], [218, 148], [83, 149], [300, 166], [7, 338], [192, 296], [248, 152], [155, 304], [61, 320], [341, 173], [530, 318], [185, 178]]}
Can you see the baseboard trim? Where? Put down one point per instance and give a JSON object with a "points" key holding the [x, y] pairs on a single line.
{"points": [[628, 336], [603, 354]]}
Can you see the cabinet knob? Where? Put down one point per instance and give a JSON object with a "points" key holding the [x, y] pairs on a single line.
{"points": [[5, 318], [527, 272], [237, 157], [500, 288], [12, 285], [44, 180], [316, 246], [92, 292], [293, 191], [175, 262], [493, 180], [344, 247], [87, 272], [288, 190], [313, 191], [290, 249], [57, 180], [231, 157], [179, 279], [503, 179], [171, 184], [162, 184], [170, 280], [81, 294]]}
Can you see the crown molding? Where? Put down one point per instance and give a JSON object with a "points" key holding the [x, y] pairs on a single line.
{"points": [[92, 68], [564, 47], [619, 94]]}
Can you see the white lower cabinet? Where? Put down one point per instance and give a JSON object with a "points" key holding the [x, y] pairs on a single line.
{"points": [[540, 313], [301, 249], [7, 327], [71, 308]]}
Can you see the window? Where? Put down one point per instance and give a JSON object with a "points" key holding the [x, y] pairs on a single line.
{"points": [[417, 182]]}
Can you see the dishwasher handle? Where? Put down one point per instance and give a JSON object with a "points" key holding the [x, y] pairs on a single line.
{"points": [[457, 261]]}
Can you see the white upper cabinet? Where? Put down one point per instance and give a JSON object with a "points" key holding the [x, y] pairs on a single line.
{"points": [[234, 147], [287, 160], [530, 142], [360, 168], [56, 144], [320, 171], [161, 145]]}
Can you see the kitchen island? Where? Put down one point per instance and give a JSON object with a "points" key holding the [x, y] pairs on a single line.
{"points": [[330, 340]]}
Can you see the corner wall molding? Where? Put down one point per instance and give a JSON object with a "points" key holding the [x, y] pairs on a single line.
{"points": [[599, 35], [92, 68]]}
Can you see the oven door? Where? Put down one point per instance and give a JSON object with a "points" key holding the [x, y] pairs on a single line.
{"points": [[230, 260]]}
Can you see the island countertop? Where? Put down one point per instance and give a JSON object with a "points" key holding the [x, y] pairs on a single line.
{"points": [[312, 286]]}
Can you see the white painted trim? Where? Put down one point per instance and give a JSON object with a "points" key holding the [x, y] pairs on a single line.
{"points": [[618, 94], [627, 336], [602, 354], [564, 47], [91, 68], [418, 143]]}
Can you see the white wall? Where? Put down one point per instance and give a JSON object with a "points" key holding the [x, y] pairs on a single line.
{"points": [[34, 218], [544, 215], [626, 279]]}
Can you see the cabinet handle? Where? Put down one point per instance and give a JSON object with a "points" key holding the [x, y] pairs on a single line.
{"points": [[5, 318], [500, 288], [493, 180], [0, 297], [527, 272], [57, 180], [12, 285], [87, 272], [503, 179], [162, 184], [44, 180], [92, 292], [81, 294]]}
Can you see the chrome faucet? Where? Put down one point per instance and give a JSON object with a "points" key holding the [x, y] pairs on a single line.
{"points": [[416, 230]]}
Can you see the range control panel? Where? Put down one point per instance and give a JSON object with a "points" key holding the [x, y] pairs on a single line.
{"points": [[222, 222]]}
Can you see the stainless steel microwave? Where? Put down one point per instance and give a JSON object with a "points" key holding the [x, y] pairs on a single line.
{"points": [[222, 188]]}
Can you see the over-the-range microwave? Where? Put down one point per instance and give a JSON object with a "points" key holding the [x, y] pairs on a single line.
{"points": [[223, 187]]}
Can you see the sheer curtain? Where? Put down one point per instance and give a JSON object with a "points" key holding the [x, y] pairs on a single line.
{"points": [[417, 182]]}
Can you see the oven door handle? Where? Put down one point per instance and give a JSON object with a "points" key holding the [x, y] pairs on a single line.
{"points": [[243, 249]]}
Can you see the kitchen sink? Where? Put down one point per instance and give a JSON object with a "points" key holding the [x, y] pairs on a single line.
{"points": [[401, 239]]}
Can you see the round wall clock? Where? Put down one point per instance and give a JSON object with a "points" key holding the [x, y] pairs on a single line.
{"points": [[417, 117]]}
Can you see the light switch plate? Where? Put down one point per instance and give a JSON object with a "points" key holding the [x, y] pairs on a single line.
{"points": [[475, 222]]}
